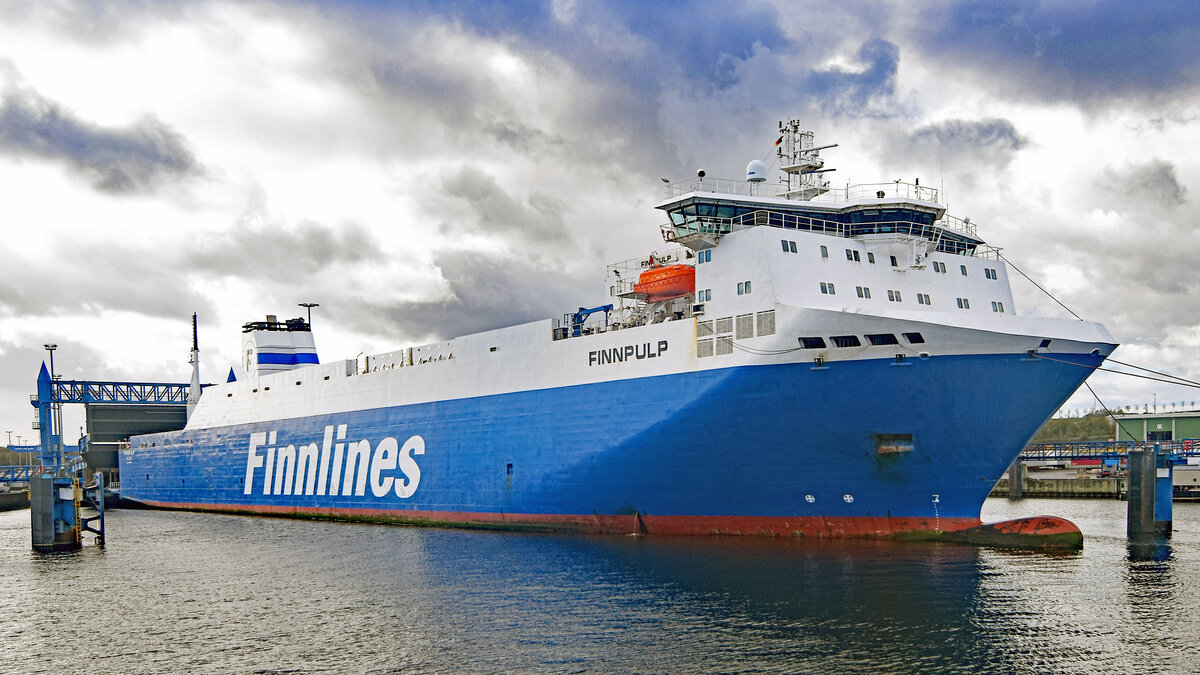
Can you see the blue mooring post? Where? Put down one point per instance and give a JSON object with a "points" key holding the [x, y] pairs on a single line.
{"points": [[1150, 493], [1140, 519], [1164, 491]]}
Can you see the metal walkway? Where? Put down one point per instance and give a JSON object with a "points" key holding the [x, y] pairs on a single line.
{"points": [[1182, 448]]}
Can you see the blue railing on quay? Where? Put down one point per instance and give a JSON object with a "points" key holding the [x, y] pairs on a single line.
{"points": [[1105, 449], [18, 474]]}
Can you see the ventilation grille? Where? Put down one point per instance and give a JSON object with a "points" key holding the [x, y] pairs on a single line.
{"points": [[725, 325], [766, 323], [745, 326], [704, 329], [724, 345], [704, 348]]}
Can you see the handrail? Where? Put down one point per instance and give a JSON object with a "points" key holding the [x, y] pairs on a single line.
{"points": [[714, 225], [1105, 449], [892, 190]]}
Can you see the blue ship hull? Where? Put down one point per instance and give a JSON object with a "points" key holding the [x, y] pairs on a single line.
{"points": [[774, 448]]}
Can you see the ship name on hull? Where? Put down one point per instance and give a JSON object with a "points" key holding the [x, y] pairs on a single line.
{"points": [[645, 350], [335, 467]]}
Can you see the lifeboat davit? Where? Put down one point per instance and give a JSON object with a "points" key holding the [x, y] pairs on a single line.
{"points": [[664, 283]]}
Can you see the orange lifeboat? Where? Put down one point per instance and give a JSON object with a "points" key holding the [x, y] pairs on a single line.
{"points": [[664, 283]]}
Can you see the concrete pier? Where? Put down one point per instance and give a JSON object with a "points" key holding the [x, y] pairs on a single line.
{"points": [[1016, 480]]}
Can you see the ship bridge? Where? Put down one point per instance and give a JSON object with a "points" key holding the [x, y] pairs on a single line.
{"points": [[699, 219], [702, 210]]}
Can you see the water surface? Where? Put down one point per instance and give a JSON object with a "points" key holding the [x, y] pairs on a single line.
{"points": [[201, 592]]}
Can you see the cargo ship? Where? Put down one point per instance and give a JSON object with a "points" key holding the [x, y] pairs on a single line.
{"points": [[798, 360]]}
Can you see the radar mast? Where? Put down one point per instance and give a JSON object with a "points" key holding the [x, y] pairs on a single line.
{"points": [[801, 162]]}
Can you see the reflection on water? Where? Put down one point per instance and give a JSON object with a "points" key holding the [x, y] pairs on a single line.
{"points": [[1157, 549], [200, 591]]}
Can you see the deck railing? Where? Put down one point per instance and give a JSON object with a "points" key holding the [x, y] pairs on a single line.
{"points": [[712, 225], [890, 191]]}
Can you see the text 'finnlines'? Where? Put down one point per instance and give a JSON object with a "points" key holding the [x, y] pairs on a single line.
{"points": [[308, 469]]}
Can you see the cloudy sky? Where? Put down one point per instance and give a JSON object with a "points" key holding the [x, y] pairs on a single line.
{"points": [[433, 168]]}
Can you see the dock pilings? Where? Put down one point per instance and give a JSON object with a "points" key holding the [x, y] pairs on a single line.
{"points": [[1150, 493]]}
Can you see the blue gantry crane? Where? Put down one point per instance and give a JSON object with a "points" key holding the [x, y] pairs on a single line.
{"points": [[57, 490]]}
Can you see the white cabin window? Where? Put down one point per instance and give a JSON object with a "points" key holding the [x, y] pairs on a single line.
{"points": [[870, 257], [824, 252]]}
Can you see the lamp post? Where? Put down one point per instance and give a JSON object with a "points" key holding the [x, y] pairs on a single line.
{"points": [[308, 306]]}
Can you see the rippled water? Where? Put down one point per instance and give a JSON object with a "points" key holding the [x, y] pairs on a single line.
{"points": [[201, 592]]}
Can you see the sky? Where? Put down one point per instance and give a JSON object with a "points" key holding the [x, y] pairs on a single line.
{"points": [[428, 169]]}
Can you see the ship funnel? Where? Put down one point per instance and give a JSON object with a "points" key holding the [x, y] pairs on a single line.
{"points": [[274, 346]]}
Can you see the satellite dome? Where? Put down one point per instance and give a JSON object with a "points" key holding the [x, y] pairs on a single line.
{"points": [[756, 171]]}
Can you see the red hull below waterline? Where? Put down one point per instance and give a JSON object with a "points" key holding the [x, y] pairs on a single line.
{"points": [[1040, 532]]}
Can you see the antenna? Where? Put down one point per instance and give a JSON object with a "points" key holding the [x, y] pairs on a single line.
{"points": [[195, 335], [941, 173]]}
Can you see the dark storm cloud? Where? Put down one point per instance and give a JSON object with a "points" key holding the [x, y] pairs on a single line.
{"points": [[626, 55], [1070, 51], [1137, 186], [133, 159], [701, 40], [539, 216], [962, 144], [88, 279], [489, 291], [278, 253], [864, 92]]}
